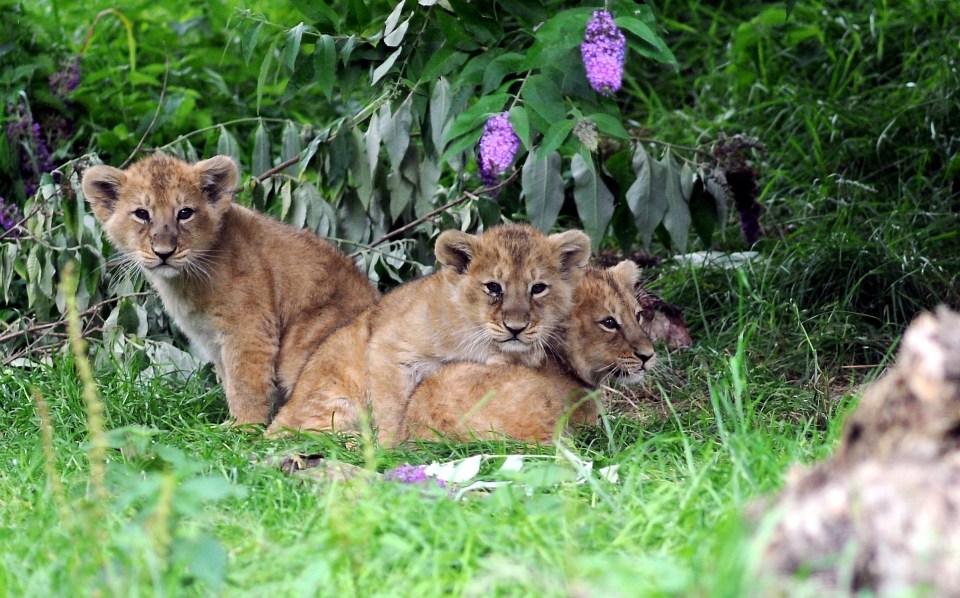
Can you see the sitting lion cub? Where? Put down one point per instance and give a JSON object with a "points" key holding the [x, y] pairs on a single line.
{"points": [[253, 295], [602, 340], [500, 297]]}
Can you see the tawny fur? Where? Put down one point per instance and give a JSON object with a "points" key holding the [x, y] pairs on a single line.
{"points": [[468, 400], [253, 295], [452, 315]]}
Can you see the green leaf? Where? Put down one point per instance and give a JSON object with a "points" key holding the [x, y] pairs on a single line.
{"points": [[248, 38], [454, 32], [264, 72], [322, 218], [503, 65], [644, 32], [559, 34], [461, 144], [594, 200], [542, 95], [286, 198], [360, 165], [427, 183], [687, 179], [33, 275], [291, 47], [396, 36], [542, 185], [325, 64], [128, 317], [260, 161], [647, 208], [521, 125], [390, 24], [395, 132], [292, 145], [440, 102], [677, 218], [303, 197], [442, 62], [555, 136], [401, 194], [609, 125], [318, 10], [384, 67]]}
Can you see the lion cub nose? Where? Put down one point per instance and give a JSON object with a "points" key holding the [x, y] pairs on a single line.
{"points": [[163, 255], [515, 328], [644, 357]]}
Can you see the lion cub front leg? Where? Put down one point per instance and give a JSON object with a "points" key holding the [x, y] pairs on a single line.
{"points": [[248, 363]]}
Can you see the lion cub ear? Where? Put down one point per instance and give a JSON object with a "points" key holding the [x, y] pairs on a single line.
{"points": [[628, 272], [218, 178], [574, 249], [455, 249], [101, 187]]}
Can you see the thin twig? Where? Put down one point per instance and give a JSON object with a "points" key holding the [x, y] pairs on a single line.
{"points": [[459, 200], [279, 167], [62, 321], [9, 231], [163, 92]]}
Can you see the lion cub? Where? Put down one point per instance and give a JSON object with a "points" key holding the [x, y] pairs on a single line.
{"points": [[500, 297], [253, 295], [602, 340]]}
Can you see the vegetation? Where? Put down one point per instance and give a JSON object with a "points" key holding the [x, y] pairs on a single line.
{"points": [[855, 106]]}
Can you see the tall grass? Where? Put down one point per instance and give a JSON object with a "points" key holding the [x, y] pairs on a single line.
{"points": [[857, 106]]}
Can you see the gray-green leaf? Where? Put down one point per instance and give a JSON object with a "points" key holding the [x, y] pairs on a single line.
{"points": [[594, 200], [542, 186], [227, 145], [261, 151], [292, 145], [646, 206], [677, 219], [395, 131]]}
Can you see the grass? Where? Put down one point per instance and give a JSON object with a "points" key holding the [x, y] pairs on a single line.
{"points": [[860, 192]]}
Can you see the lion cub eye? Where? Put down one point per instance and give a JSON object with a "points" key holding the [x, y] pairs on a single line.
{"points": [[610, 323], [185, 214], [142, 214], [538, 289], [494, 288]]}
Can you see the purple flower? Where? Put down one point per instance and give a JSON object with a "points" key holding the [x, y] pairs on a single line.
{"points": [[498, 146], [10, 215], [66, 79], [603, 50], [413, 475]]}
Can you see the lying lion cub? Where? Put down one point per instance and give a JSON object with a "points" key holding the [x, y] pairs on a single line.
{"points": [[254, 296], [500, 297], [602, 340]]}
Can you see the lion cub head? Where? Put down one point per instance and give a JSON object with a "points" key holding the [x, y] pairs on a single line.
{"points": [[163, 213], [512, 286], [603, 337]]}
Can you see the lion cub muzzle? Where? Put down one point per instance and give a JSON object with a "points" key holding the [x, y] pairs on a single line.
{"points": [[163, 242]]}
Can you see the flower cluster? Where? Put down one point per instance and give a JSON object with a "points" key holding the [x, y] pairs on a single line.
{"points": [[732, 155], [66, 79], [498, 146], [35, 158], [412, 475], [603, 50], [10, 216]]}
